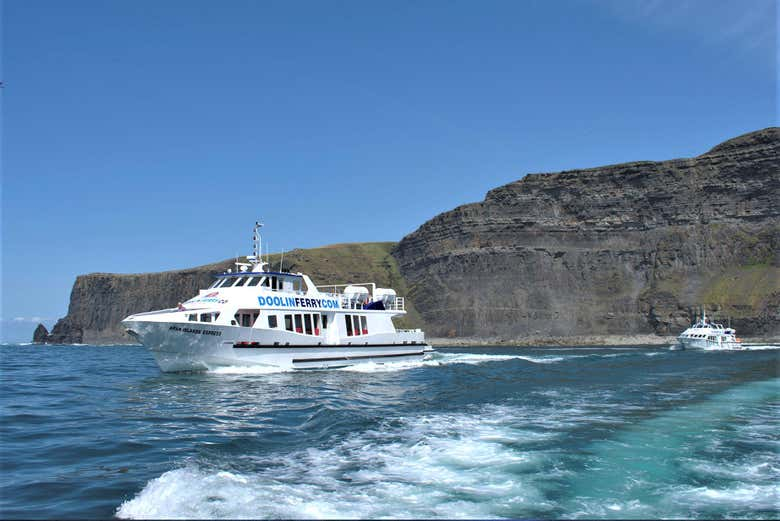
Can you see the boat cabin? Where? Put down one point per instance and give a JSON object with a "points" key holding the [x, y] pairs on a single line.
{"points": [[275, 281]]}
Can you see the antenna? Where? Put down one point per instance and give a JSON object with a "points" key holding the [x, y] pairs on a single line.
{"points": [[257, 242], [281, 262]]}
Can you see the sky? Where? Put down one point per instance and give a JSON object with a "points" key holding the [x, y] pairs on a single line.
{"points": [[150, 135]]}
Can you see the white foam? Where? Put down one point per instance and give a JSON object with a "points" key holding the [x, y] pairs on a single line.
{"points": [[759, 470], [743, 497], [448, 465], [434, 360], [249, 369], [491, 462], [480, 358], [759, 347]]}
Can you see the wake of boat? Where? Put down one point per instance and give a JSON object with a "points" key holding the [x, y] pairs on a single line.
{"points": [[433, 360]]}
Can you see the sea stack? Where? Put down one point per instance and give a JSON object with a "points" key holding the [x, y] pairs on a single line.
{"points": [[40, 335]]}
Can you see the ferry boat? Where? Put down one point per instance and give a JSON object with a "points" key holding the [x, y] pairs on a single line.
{"points": [[704, 334], [252, 316]]}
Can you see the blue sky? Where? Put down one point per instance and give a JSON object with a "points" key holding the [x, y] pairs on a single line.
{"points": [[149, 135]]}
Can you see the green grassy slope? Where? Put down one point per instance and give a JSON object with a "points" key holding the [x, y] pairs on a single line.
{"points": [[741, 290], [351, 263]]}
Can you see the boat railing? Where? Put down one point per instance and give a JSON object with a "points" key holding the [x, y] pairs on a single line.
{"points": [[334, 289], [397, 304], [337, 291], [331, 295]]}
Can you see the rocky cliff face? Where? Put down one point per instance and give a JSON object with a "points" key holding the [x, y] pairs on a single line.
{"points": [[624, 249], [618, 250], [99, 301]]}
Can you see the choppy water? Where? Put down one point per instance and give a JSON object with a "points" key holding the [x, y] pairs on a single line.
{"points": [[92, 431]]}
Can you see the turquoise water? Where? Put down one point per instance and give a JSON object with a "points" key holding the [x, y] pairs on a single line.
{"points": [[95, 432]]}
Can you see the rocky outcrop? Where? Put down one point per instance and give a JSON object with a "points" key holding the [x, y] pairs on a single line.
{"points": [[624, 249], [99, 301], [40, 335]]}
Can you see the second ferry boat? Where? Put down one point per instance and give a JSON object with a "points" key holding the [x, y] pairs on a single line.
{"points": [[256, 317], [704, 334]]}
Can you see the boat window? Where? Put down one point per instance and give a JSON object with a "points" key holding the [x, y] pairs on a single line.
{"points": [[364, 325], [214, 284], [241, 281], [307, 321], [205, 317], [229, 281], [192, 318], [274, 283], [356, 324], [316, 319], [288, 322], [324, 321], [348, 320], [253, 281], [265, 282], [298, 324], [272, 321], [246, 320]]}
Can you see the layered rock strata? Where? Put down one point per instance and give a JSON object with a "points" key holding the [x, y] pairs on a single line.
{"points": [[628, 249], [623, 249]]}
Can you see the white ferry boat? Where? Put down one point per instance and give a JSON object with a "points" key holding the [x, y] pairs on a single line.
{"points": [[704, 334], [256, 317]]}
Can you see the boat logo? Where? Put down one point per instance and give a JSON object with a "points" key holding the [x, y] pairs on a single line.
{"points": [[298, 302], [210, 298]]}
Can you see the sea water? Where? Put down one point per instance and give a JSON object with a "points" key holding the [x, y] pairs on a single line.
{"points": [[628, 432]]}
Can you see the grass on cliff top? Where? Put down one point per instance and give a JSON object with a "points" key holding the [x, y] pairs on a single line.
{"points": [[745, 287], [351, 263], [738, 291]]}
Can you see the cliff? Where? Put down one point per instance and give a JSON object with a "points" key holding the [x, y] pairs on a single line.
{"points": [[624, 249], [99, 301], [628, 249]]}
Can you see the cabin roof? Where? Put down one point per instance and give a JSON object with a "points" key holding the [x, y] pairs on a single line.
{"points": [[255, 273]]}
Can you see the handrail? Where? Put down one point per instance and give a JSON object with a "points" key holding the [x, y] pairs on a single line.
{"points": [[334, 286], [397, 304]]}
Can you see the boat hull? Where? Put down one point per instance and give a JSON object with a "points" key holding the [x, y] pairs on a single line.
{"points": [[178, 347], [709, 345]]}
